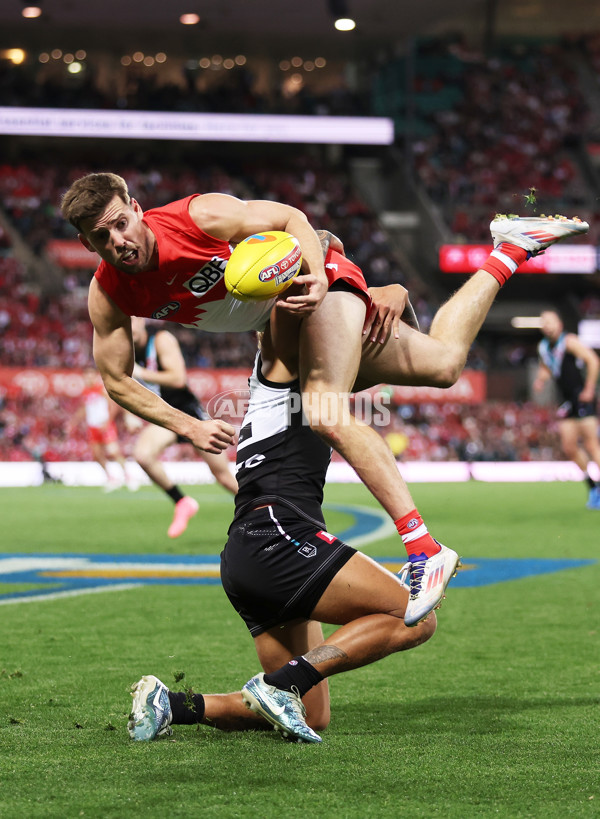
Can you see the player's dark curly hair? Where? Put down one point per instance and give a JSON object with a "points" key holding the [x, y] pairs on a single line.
{"points": [[87, 197]]}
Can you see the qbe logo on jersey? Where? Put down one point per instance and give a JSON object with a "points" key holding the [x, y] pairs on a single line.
{"points": [[207, 277], [284, 270]]}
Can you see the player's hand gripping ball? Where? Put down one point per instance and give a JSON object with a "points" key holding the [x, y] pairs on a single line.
{"points": [[263, 266]]}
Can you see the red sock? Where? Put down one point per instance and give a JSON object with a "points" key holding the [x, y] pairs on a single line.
{"points": [[503, 261], [415, 535]]}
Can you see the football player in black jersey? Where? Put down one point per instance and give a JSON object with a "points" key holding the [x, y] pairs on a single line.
{"points": [[574, 368], [160, 366], [285, 575]]}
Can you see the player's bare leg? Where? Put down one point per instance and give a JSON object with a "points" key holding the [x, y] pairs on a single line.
{"points": [[436, 359], [229, 712], [589, 438], [99, 456], [330, 348], [369, 602], [219, 466], [150, 444], [278, 646], [579, 443], [155, 708]]}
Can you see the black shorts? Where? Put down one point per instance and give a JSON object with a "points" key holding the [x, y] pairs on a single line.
{"points": [[276, 565], [576, 409]]}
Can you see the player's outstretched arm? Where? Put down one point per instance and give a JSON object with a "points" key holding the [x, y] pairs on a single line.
{"points": [[113, 354], [232, 220]]}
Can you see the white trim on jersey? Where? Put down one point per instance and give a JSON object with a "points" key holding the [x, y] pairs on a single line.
{"points": [[269, 410]]}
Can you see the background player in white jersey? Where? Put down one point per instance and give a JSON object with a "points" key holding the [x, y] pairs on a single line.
{"points": [[574, 368], [99, 413], [285, 574], [160, 366]]}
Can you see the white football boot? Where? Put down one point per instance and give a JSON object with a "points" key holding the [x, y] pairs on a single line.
{"points": [[535, 233], [429, 577]]}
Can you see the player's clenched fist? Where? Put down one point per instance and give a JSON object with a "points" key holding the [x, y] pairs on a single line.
{"points": [[212, 436]]}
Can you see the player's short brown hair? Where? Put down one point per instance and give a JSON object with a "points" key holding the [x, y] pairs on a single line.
{"points": [[87, 197]]}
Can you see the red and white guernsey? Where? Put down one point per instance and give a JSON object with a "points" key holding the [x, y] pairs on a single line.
{"points": [[188, 286], [96, 406]]}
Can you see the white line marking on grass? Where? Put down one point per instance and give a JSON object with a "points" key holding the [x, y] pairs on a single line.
{"points": [[72, 593]]}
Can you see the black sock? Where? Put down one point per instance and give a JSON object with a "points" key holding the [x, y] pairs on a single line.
{"points": [[174, 493], [188, 709], [591, 482], [298, 673]]}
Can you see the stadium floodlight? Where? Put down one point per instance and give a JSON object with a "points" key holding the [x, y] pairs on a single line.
{"points": [[341, 16], [31, 12]]}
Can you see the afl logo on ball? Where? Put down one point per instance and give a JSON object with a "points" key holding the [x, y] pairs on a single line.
{"points": [[268, 273]]}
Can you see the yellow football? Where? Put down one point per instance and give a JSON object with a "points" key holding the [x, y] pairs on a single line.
{"points": [[263, 266]]}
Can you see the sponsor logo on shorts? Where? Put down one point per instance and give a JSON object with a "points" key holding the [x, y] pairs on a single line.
{"points": [[166, 310], [326, 536], [307, 550]]}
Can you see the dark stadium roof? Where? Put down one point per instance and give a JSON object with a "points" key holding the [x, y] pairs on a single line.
{"points": [[271, 23], [381, 19]]}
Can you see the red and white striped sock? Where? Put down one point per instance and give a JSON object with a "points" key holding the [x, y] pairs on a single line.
{"points": [[503, 261], [415, 535]]}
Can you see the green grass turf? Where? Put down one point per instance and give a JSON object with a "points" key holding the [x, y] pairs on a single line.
{"points": [[496, 715]]}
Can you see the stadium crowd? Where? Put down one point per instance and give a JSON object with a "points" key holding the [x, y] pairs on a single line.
{"points": [[508, 140], [491, 431], [478, 132], [484, 129]]}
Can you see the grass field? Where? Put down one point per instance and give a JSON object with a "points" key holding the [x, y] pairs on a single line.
{"points": [[498, 715]]}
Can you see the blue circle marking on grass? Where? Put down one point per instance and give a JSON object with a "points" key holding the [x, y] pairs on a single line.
{"points": [[50, 576]]}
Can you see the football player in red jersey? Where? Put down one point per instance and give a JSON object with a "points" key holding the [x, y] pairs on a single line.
{"points": [[99, 413], [169, 263]]}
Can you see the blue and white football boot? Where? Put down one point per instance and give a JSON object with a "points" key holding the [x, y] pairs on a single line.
{"points": [[283, 709], [151, 711]]}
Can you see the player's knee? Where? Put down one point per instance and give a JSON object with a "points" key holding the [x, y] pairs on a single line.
{"points": [[570, 450], [142, 456], [416, 635], [326, 413], [449, 371], [318, 718]]}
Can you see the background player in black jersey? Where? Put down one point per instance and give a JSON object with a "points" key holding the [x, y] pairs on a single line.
{"points": [[574, 368], [160, 366], [285, 575]]}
